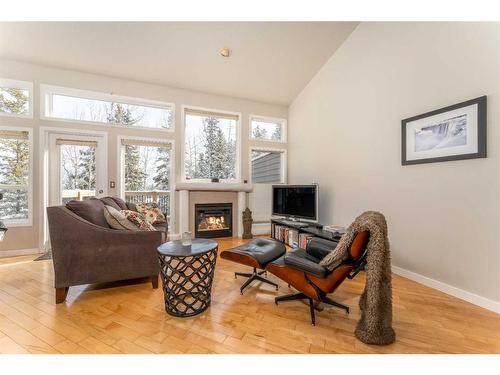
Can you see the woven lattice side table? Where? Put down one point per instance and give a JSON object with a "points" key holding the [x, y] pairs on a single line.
{"points": [[187, 274]]}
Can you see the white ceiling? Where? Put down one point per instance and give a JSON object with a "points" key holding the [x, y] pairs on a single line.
{"points": [[270, 62]]}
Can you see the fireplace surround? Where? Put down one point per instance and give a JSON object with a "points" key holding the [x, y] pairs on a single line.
{"points": [[213, 220]]}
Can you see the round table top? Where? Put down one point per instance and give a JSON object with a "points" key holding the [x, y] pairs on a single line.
{"points": [[198, 246]]}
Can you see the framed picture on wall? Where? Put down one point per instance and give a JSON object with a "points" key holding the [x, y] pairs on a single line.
{"points": [[452, 133]]}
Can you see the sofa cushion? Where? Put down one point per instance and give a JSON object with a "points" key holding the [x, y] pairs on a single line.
{"points": [[117, 220], [109, 201], [138, 219], [151, 212], [120, 202], [91, 210]]}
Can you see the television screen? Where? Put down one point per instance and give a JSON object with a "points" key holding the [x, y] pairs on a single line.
{"points": [[295, 200]]}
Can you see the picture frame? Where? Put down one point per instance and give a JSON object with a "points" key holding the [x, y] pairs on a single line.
{"points": [[456, 132]]}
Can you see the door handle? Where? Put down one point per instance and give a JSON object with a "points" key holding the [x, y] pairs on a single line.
{"points": [[101, 191]]}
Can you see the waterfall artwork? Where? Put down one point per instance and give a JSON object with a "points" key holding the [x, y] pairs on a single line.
{"points": [[448, 133], [451, 133]]}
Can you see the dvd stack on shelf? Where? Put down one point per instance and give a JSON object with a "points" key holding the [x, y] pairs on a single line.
{"points": [[286, 235], [304, 239]]}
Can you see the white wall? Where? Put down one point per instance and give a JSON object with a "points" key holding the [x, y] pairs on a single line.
{"points": [[345, 131], [29, 237]]}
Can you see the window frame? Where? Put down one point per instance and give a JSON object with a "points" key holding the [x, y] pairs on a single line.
{"points": [[23, 85], [28, 222], [46, 92], [120, 186], [283, 122], [238, 178], [284, 158]]}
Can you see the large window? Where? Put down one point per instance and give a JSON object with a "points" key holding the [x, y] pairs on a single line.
{"points": [[15, 98], [80, 105], [146, 167], [267, 129], [210, 145], [267, 166], [15, 179]]}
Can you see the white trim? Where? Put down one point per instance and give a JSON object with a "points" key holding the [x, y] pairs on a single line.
{"points": [[283, 122], [238, 178], [259, 229], [120, 168], [15, 253], [449, 289], [284, 158], [44, 166], [45, 106], [23, 85], [29, 221]]}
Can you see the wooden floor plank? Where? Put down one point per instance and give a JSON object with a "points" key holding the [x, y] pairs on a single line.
{"points": [[129, 317]]}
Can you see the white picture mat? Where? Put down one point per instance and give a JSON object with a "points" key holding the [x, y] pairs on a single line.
{"points": [[470, 147]]}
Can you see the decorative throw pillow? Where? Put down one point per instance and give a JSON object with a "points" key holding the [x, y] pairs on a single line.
{"points": [[151, 212], [117, 220], [138, 219]]}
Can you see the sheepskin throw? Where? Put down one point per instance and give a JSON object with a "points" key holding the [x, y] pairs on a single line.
{"points": [[375, 325]]}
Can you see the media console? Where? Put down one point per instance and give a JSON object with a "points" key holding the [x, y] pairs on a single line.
{"points": [[296, 234]]}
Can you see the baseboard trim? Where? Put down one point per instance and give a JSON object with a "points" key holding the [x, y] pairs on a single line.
{"points": [[449, 289], [15, 253], [261, 228]]}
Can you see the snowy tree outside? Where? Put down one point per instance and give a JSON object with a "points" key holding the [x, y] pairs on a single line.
{"points": [[14, 175], [14, 101], [210, 147], [266, 130], [78, 171], [74, 108], [147, 170]]}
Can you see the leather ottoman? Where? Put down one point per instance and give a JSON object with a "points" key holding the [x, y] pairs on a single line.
{"points": [[257, 254]]}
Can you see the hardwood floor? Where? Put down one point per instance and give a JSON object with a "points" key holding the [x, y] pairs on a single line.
{"points": [[130, 318]]}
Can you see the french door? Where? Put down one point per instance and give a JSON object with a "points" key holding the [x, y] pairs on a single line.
{"points": [[77, 167]]}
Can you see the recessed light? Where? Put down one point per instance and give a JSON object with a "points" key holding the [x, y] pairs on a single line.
{"points": [[225, 52]]}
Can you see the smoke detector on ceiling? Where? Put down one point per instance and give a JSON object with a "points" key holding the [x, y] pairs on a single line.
{"points": [[225, 52]]}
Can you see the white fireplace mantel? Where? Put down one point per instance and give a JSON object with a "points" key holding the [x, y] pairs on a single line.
{"points": [[213, 186], [185, 187]]}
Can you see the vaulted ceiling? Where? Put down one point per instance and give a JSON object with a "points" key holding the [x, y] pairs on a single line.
{"points": [[270, 61]]}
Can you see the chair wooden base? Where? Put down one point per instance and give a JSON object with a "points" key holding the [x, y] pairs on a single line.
{"points": [[252, 277], [312, 305]]}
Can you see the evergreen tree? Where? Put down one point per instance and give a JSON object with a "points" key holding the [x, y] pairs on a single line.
{"points": [[120, 115], [214, 163], [14, 164], [202, 167], [134, 175], [87, 168], [259, 133], [13, 101], [277, 133], [162, 178]]}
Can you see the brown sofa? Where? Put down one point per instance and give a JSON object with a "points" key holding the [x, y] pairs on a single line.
{"points": [[86, 250]]}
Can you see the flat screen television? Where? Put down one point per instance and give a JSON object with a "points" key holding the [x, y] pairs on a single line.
{"points": [[296, 201]]}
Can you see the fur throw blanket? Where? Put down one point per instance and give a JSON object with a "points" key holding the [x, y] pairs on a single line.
{"points": [[375, 325]]}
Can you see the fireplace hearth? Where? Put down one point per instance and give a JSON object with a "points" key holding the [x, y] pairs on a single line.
{"points": [[213, 220]]}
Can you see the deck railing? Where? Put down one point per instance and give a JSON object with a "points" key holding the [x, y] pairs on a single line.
{"points": [[161, 198], [79, 195]]}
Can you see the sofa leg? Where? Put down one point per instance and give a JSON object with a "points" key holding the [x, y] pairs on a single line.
{"points": [[61, 294], [154, 281]]}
